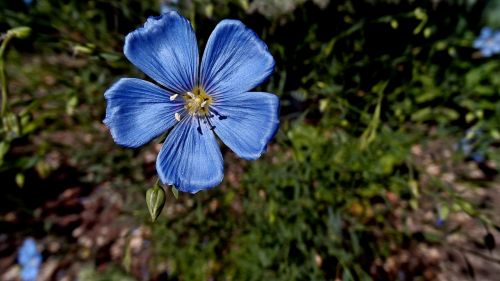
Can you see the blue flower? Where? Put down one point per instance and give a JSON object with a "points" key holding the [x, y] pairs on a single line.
{"points": [[471, 145], [30, 260], [488, 42], [197, 100]]}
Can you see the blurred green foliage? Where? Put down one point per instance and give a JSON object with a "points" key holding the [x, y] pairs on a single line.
{"points": [[361, 83]]}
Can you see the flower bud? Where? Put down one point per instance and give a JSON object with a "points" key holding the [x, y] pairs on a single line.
{"points": [[11, 124], [19, 32], [155, 199]]}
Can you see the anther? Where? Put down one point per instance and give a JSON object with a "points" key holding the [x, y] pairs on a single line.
{"points": [[177, 116], [203, 104], [173, 97], [191, 95]]}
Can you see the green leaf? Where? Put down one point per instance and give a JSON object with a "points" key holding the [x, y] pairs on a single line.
{"points": [[4, 148], [175, 192], [444, 211]]}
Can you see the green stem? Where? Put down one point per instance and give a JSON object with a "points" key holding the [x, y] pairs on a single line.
{"points": [[3, 80]]}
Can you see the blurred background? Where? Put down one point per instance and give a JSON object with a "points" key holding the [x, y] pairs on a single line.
{"points": [[385, 166]]}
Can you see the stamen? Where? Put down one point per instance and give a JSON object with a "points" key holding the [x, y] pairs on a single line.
{"points": [[221, 117], [199, 127], [212, 127], [173, 97], [177, 116], [191, 95], [203, 104]]}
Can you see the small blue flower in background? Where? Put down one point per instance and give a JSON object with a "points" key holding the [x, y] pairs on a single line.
{"points": [[28, 2], [488, 42], [198, 100], [30, 260], [439, 222], [470, 145]]}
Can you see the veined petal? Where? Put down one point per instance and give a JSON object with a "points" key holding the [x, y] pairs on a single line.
{"points": [[235, 60], [190, 158], [137, 111], [247, 123], [166, 50]]}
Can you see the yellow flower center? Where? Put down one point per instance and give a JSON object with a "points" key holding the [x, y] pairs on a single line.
{"points": [[197, 102]]}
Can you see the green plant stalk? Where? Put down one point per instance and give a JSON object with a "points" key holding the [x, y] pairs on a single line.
{"points": [[3, 80]]}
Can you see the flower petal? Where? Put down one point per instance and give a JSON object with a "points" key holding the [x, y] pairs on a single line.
{"points": [[247, 123], [190, 158], [487, 52], [235, 60], [137, 111], [479, 43], [486, 32], [166, 50]]}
